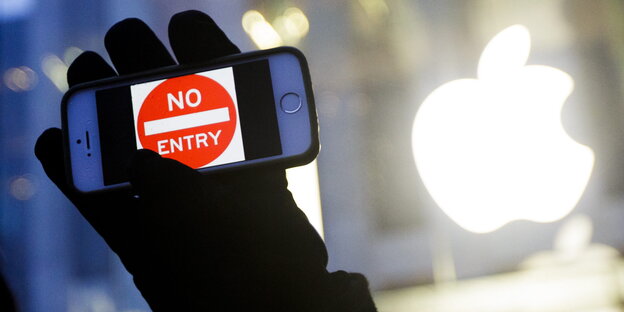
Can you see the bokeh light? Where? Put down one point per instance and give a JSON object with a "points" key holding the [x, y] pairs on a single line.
{"points": [[22, 187], [56, 70], [20, 79], [260, 31]]}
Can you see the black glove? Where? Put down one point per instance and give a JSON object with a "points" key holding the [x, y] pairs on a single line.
{"points": [[221, 242]]}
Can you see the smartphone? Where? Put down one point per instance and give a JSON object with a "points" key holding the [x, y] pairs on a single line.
{"points": [[246, 110]]}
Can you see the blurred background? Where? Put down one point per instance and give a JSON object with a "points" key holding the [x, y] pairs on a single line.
{"points": [[373, 63]]}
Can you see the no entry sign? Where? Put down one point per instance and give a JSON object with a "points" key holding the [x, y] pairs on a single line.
{"points": [[192, 119]]}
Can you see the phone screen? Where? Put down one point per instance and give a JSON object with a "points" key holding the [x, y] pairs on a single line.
{"points": [[204, 119]]}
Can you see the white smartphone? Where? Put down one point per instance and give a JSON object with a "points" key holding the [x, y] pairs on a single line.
{"points": [[245, 110]]}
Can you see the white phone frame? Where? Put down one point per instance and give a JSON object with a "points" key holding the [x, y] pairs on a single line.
{"points": [[289, 74]]}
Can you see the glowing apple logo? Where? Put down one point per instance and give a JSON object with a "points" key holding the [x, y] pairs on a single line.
{"points": [[492, 150]]}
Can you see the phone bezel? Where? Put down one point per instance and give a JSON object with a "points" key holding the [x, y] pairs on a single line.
{"points": [[299, 147]]}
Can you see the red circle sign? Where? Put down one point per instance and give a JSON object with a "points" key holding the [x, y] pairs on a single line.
{"points": [[191, 119]]}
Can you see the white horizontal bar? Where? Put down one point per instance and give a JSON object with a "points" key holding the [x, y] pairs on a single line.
{"points": [[204, 118]]}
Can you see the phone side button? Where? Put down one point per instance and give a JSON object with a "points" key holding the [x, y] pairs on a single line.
{"points": [[290, 103]]}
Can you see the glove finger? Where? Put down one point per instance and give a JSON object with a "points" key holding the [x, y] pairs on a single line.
{"points": [[176, 211], [166, 183], [254, 180], [195, 38], [49, 151], [88, 66], [133, 47]]}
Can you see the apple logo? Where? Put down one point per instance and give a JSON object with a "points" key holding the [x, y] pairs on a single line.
{"points": [[493, 150]]}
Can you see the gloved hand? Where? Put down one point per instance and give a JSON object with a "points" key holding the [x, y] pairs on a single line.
{"points": [[224, 242]]}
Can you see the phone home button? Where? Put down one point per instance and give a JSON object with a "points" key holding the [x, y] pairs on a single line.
{"points": [[291, 103]]}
